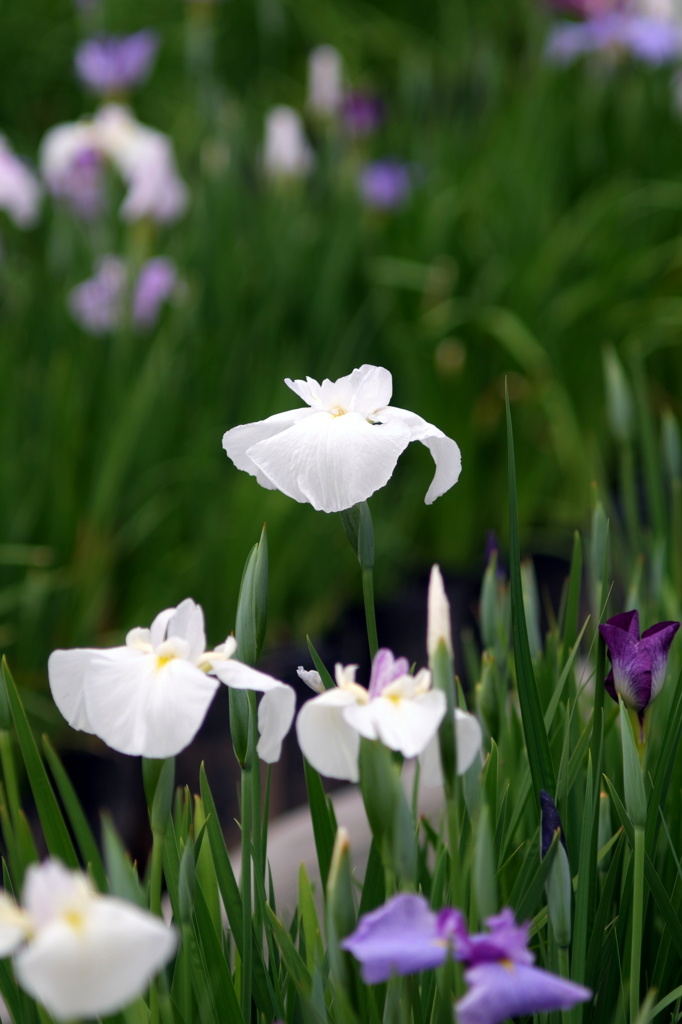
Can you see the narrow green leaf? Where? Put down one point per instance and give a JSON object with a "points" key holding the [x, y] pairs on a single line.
{"points": [[217, 969], [374, 885], [320, 666], [573, 598], [79, 823], [323, 830], [583, 898], [537, 743], [54, 828], [123, 879], [298, 971]]}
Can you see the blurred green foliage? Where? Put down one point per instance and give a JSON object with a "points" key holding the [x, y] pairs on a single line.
{"points": [[546, 225]]}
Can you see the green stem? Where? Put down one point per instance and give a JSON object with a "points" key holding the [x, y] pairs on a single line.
{"points": [[246, 893], [256, 821], [565, 972], [155, 907], [637, 924], [370, 616], [453, 840]]}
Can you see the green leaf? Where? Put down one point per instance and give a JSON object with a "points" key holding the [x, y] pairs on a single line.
{"points": [[252, 606], [123, 879], [573, 599], [87, 843], [323, 828], [374, 885], [295, 965], [537, 743], [583, 900], [217, 969], [320, 666], [54, 828]]}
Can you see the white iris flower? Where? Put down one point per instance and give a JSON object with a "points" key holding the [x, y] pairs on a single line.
{"points": [[400, 710], [81, 954], [342, 446], [150, 696]]}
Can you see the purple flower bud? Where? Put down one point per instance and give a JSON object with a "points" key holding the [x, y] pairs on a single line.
{"points": [[97, 304], [112, 65], [156, 283], [362, 114], [385, 184], [638, 665]]}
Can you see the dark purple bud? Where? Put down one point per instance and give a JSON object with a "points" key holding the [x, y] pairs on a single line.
{"points": [[638, 665], [362, 114], [550, 822]]}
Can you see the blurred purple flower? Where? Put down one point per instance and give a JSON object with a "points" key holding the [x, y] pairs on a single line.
{"points": [[100, 304], [362, 114], [20, 190], [638, 665], [403, 937], [83, 187], [111, 65], [385, 184], [156, 283], [97, 304], [588, 8], [652, 40]]}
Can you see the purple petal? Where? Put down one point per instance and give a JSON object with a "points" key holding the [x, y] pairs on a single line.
{"points": [[627, 621], [501, 990], [97, 304], [656, 641], [506, 940], [115, 64], [631, 662], [402, 937], [385, 184], [156, 283], [385, 669], [610, 688], [550, 822]]}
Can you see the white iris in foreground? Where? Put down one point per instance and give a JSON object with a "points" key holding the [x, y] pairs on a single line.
{"points": [[400, 710], [343, 446], [150, 696], [79, 953]]}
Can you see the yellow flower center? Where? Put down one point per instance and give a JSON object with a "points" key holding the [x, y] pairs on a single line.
{"points": [[162, 661], [337, 411], [75, 919]]}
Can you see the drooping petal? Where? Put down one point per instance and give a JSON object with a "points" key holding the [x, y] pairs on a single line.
{"points": [[444, 451], [239, 440], [657, 640], [188, 624], [469, 739], [501, 990], [142, 704], [328, 743], [66, 671], [15, 925], [401, 937], [404, 725], [275, 711], [95, 966], [333, 462]]}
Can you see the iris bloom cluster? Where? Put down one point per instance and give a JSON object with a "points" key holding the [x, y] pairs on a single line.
{"points": [[405, 936], [649, 30]]}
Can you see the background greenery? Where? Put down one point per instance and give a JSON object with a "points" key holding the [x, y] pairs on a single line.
{"points": [[546, 224]]}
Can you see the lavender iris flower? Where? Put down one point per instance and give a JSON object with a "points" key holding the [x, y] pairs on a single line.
{"points": [[638, 665], [111, 65], [385, 184], [157, 281], [362, 114], [405, 936], [652, 40]]}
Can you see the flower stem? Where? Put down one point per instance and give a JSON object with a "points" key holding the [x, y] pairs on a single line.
{"points": [[155, 907], [246, 892], [637, 923], [370, 616]]}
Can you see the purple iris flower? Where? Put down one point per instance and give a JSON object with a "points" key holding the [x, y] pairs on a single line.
{"points": [[385, 184], [403, 937], [652, 40], [110, 65], [362, 114], [638, 665], [97, 304], [156, 283]]}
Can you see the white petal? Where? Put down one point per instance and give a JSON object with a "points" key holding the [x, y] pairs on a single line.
{"points": [[137, 707], [66, 671], [469, 739], [159, 627], [445, 451], [373, 387], [328, 743], [275, 711], [239, 440], [333, 462], [15, 924], [188, 624], [404, 725], [312, 678], [50, 888], [439, 625], [99, 967]]}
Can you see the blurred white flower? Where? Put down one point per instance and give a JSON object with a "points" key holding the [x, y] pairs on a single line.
{"points": [[325, 81], [343, 446], [286, 151], [20, 190], [78, 953], [311, 678], [400, 710], [143, 156], [150, 696]]}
